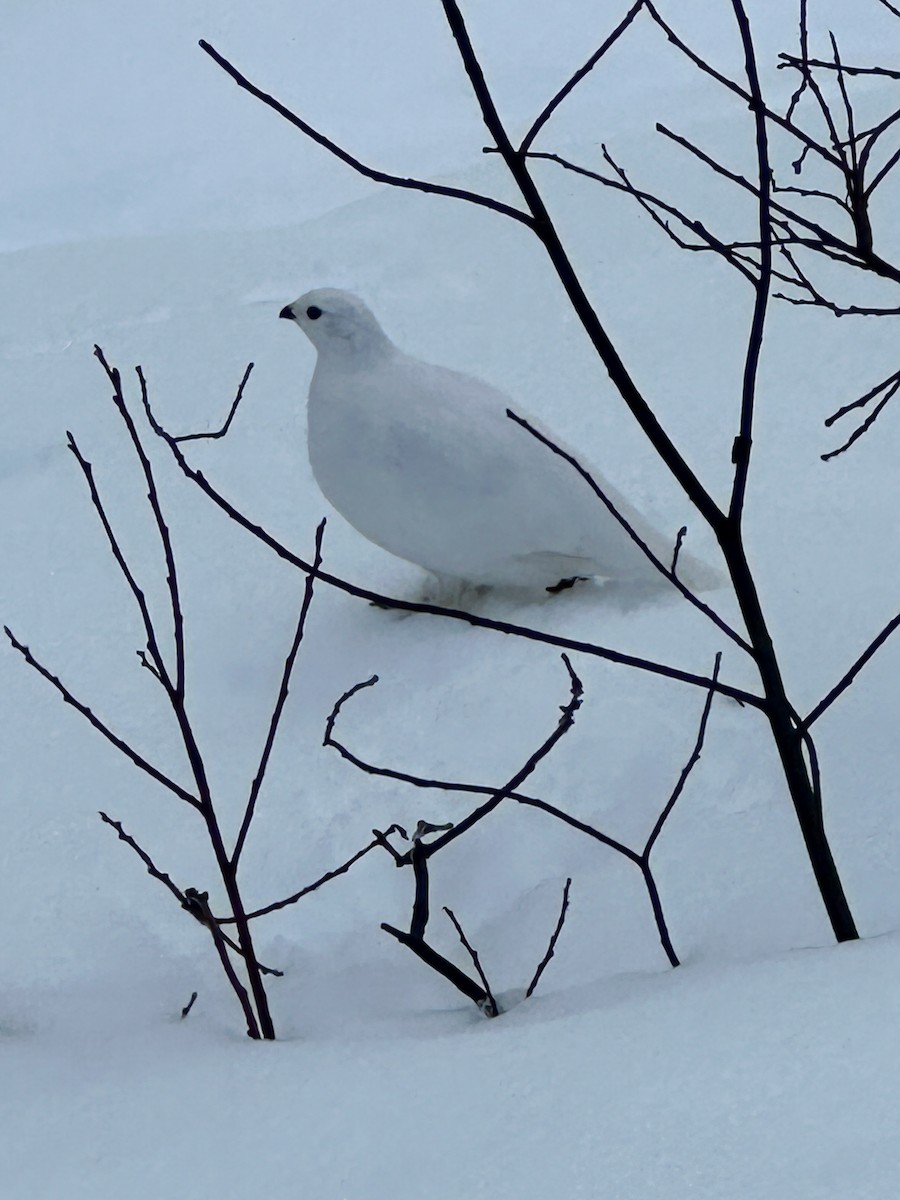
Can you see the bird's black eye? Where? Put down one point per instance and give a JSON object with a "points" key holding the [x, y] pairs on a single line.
{"points": [[313, 313]]}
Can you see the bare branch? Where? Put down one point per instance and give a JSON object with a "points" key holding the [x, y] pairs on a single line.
{"points": [[187, 899], [219, 433], [156, 663], [744, 440], [280, 700], [545, 230], [789, 60], [419, 185], [551, 949], [95, 721], [803, 65], [864, 400], [686, 769], [153, 497], [784, 122], [491, 1009], [575, 79], [865, 426], [443, 966], [378, 841], [565, 723], [444, 785], [841, 686], [679, 541], [630, 530]]}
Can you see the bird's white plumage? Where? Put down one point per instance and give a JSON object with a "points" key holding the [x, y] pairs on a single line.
{"points": [[424, 462]]}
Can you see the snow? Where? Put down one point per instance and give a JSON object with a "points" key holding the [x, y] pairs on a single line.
{"points": [[158, 211]]}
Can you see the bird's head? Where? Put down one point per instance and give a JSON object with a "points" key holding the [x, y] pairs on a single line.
{"points": [[337, 322]]}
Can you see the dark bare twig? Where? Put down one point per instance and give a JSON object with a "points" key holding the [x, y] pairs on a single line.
{"points": [[545, 230], [281, 699], [679, 541], [220, 433], [686, 769], [573, 81], [95, 721], [844, 682], [187, 898], [822, 240], [789, 60], [744, 440], [419, 185], [865, 426], [378, 841], [455, 786], [565, 723], [650, 204], [631, 531], [803, 65], [491, 1008], [156, 662], [418, 856], [443, 966], [161, 526], [641, 860], [152, 869], [190, 1004], [551, 949], [201, 901], [783, 122], [815, 298], [864, 399], [266, 1027]]}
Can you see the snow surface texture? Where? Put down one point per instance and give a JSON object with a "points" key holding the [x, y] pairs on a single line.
{"points": [[168, 221], [425, 462]]}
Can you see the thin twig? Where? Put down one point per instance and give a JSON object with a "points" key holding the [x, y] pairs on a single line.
{"points": [[573, 81], [201, 900], [219, 433], [631, 531], [443, 966], [789, 60], [188, 898], [864, 399], [419, 185], [686, 769], [376, 842], [744, 440], [784, 122], [491, 1009], [280, 700], [844, 682], [95, 721], [445, 785], [156, 663], [565, 723], [551, 949], [161, 526], [679, 541], [865, 426]]}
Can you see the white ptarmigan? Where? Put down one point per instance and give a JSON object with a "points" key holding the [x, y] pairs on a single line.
{"points": [[424, 462]]}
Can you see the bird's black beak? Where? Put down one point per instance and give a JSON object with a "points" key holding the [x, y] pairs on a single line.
{"points": [[287, 312]]}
